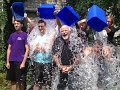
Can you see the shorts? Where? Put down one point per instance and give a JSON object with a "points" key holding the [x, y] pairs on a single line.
{"points": [[63, 81], [42, 73], [15, 73]]}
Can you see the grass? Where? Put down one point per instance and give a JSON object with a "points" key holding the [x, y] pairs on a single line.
{"points": [[4, 85]]}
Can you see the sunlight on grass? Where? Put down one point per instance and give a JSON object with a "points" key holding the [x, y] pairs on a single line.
{"points": [[4, 85]]}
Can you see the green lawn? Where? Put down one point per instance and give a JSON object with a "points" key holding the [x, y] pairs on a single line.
{"points": [[4, 85]]}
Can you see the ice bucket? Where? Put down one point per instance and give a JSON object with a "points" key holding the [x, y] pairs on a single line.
{"points": [[18, 10], [96, 18], [46, 11], [68, 16]]}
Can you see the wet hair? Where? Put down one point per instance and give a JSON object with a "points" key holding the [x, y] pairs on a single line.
{"points": [[65, 26], [98, 42], [82, 21], [21, 21], [41, 21], [98, 45]]}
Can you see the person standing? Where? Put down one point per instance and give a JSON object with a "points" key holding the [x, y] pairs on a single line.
{"points": [[17, 53], [111, 29], [83, 30], [42, 57], [63, 57]]}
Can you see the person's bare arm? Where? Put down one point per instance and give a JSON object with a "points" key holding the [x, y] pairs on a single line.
{"points": [[58, 22], [25, 57], [56, 59], [8, 55]]}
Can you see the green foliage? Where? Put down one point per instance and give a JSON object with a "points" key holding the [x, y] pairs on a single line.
{"points": [[110, 6], [3, 20], [2, 58]]}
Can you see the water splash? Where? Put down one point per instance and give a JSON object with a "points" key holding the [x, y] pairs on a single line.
{"points": [[85, 75]]}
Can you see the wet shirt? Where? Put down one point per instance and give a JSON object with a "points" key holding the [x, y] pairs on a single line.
{"points": [[43, 56], [17, 42], [83, 35], [61, 47]]}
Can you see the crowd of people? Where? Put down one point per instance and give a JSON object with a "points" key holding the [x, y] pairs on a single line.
{"points": [[50, 49]]}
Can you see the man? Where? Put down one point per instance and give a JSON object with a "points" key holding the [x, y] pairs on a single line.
{"points": [[83, 31], [42, 57], [63, 57], [101, 62], [17, 53]]}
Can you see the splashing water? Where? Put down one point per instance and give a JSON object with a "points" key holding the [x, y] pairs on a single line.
{"points": [[85, 75], [114, 69]]}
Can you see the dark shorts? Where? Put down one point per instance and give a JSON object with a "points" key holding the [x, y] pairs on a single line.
{"points": [[42, 74], [65, 80], [15, 73]]}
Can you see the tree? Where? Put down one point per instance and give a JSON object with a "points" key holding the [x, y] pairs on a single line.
{"points": [[110, 6]]}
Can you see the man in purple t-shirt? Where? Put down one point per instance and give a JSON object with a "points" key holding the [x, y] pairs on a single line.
{"points": [[17, 53]]}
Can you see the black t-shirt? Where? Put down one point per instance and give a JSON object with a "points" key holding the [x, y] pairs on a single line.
{"points": [[111, 34], [61, 47]]}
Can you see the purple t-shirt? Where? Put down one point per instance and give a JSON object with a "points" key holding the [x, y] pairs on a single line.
{"points": [[17, 42]]}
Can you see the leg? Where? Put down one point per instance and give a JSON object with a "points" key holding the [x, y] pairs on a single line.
{"points": [[63, 81], [21, 86], [11, 76], [26, 70], [37, 76], [36, 87], [22, 79], [13, 85], [47, 76]]}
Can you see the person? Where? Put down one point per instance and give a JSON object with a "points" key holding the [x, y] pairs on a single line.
{"points": [[110, 29], [17, 53], [42, 57], [63, 57], [101, 61], [31, 23], [83, 30]]}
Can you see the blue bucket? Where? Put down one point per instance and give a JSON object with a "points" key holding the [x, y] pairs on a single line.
{"points": [[46, 11], [96, 18], [68, 16], [18, 10]]}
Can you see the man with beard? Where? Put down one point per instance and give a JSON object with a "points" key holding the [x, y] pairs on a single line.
{"points": [[63, 57]]}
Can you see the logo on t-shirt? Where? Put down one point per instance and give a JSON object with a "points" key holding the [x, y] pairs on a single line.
{"points": [[19, 38]]}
